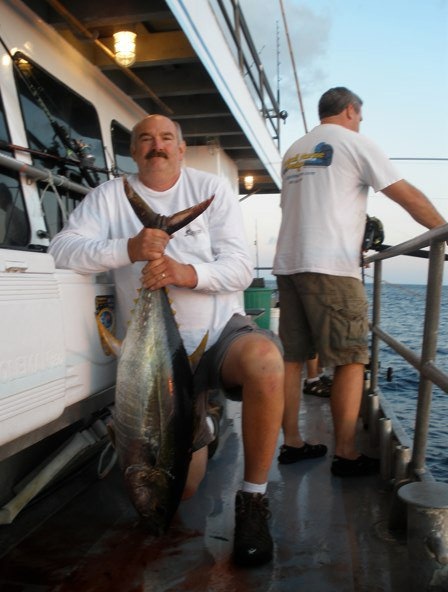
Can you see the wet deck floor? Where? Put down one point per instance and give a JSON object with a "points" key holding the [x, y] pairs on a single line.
{"points": [[330, 534]]}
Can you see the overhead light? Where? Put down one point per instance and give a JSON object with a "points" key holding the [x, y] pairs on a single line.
{"points": [[124, 46], [248, 182], [212, 143]]}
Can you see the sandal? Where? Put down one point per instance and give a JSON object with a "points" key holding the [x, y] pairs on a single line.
{"points": [[316, 388], [291, 454], [359, 467], [326, 380]]}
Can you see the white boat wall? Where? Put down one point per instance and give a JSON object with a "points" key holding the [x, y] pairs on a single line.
{"points": [[50, 354], [54, 371]]}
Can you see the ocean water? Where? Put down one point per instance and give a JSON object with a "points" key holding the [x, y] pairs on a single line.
{"points": [[402, 316]]}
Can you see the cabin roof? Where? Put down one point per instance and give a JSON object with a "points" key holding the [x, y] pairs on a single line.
{"points": [[172, 77]]}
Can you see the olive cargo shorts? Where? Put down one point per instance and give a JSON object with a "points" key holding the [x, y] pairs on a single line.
{"points": [[324, 314]]}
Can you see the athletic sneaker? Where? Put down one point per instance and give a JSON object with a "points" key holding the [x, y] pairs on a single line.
{"points": [[252, 543], [359, 467]]}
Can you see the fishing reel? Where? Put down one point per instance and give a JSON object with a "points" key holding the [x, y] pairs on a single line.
{"points": [[373, 234], [83, 152]]}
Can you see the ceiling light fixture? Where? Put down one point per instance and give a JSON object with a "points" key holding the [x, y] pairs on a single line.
{"points": [[124, 46], [248, 182]]}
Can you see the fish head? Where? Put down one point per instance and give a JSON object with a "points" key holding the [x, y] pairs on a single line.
{"points": [[150, 491]]}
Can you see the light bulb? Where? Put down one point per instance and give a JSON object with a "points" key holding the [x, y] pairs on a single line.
{"points": [[124, 46]]}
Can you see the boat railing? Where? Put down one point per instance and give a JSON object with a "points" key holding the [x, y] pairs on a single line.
{"points": [[41, 174], [410, 465], [250, 64], [403, 458]]}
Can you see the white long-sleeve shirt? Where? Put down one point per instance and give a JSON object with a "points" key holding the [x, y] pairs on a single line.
{"points": [[96, 235]]}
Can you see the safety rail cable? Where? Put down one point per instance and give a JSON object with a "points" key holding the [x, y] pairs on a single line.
{"points": [[429, 373]]}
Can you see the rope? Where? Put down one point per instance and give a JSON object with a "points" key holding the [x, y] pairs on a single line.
{"points": [[103, 471], [51, 183]]}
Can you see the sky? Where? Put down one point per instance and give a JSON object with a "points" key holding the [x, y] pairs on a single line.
{"points": [[394, 55]]}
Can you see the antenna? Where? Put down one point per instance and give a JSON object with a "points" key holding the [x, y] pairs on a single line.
{"points": [[291, 53], [278, 62]]}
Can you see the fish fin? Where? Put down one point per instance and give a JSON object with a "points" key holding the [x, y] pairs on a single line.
{"points": [[135, 300], [111, 345], [196, 356]]}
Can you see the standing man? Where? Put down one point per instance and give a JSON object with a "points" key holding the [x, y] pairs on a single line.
{"points": [[323, 307], [204, 267]]}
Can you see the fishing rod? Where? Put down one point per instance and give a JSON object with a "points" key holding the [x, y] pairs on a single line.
{"points": [[47, 155], [77, 150]]}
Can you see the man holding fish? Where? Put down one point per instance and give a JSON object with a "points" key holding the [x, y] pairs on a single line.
{"points": [[204, 267]]}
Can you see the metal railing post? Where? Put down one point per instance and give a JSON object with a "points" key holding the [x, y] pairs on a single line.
{"points": [[429, 347], [376, 317], [237, 25]]}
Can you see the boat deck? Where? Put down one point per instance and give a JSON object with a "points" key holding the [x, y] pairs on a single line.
{"points": [[330, 533]]}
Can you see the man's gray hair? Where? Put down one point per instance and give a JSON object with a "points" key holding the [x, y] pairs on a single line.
{"points": [[336, 99]]}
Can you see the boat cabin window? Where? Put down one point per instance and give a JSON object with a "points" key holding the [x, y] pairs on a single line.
{"points": [[14, 226], [63, 134], [121, 139]]}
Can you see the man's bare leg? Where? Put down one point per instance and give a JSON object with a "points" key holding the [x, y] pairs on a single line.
{"points": [[346, 394]]}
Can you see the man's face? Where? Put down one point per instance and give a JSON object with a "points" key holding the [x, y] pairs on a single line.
{"points": [[157, 148]]}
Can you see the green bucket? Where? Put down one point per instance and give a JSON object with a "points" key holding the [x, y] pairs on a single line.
{"points": [[259, 299]]}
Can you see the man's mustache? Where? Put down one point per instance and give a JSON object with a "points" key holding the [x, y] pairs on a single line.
{"points": [[156, 153]]}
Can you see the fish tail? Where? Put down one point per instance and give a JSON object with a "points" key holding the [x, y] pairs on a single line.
{"points": [[169, 224], [181, 219]]}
